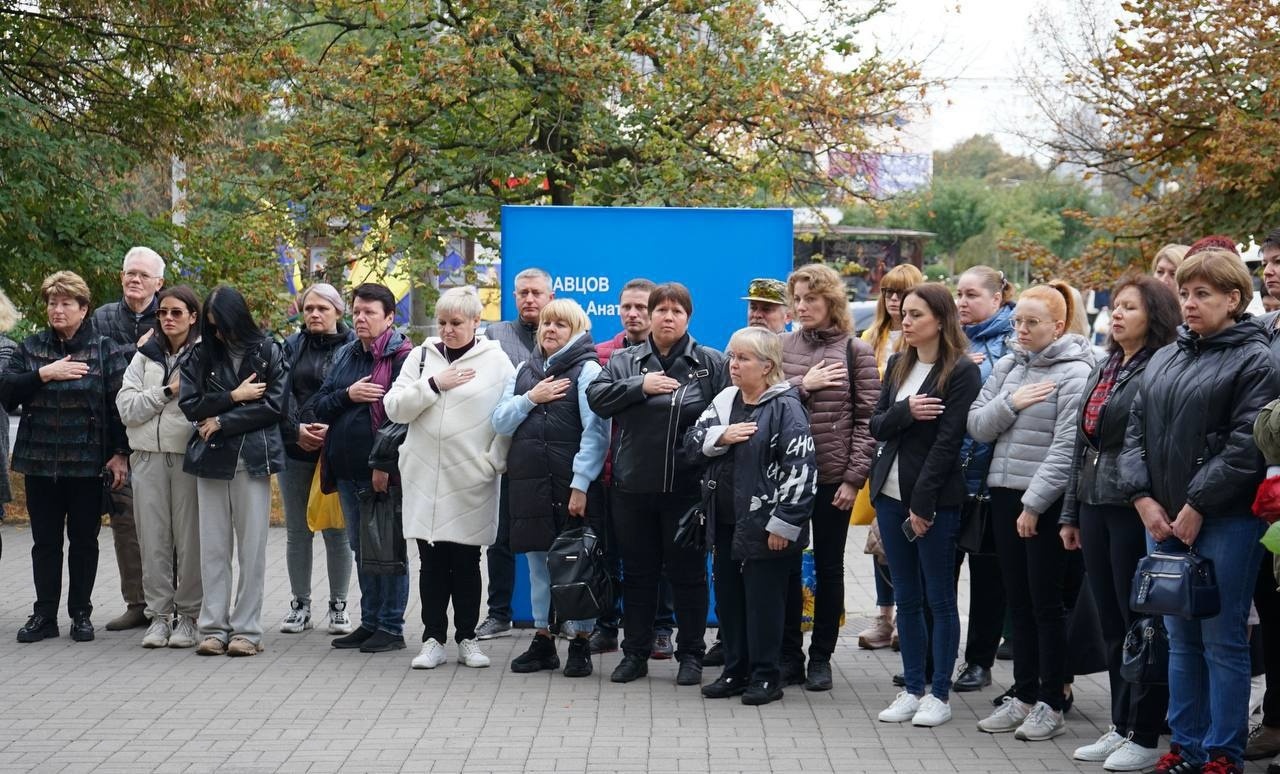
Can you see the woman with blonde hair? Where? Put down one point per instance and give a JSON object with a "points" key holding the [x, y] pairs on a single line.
{"points": [[1165, 265], [558, 446], [1028, 409]]}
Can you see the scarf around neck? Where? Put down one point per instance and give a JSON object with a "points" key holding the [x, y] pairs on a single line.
{"points": [[383, 367]]}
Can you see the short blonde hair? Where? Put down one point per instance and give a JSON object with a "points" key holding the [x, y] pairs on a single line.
{"points": [[1171, 253], [1222, 269], [8, 314], [464, 301], [762, 344], [66, 283], [824, 281], [568, 311]]}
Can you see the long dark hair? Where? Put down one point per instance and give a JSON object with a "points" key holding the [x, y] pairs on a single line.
{"points": [[1161, 305], [952, 344], [231, 318]]}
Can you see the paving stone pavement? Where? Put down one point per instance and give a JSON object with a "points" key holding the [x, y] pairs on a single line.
{"points": [[301, 706]]}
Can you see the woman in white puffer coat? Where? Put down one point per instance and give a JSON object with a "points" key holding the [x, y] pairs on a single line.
{"points": [[1028, 408], [450, 464]]}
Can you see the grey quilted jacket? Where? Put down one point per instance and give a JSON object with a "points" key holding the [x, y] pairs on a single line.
{"points": [[1033, 447]]}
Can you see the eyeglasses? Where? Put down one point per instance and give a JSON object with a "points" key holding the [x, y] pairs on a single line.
{"points": [[163, 312], [139, 275], [890, 292], [1025, 322]]}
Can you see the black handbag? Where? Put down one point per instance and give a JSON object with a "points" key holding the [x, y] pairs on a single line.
{"points": [[580, 586], [1177, 584], [691, 529], [976, 535], [382, 546], [1145, 658], [385, 453]]}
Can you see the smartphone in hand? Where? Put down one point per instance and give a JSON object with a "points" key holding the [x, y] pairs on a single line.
{"points": [[908, 530]]}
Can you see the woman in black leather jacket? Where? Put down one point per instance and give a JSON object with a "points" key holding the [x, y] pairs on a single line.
{"points": [[234, 390], [1191, 468], [1098, 519], [654, 392]]}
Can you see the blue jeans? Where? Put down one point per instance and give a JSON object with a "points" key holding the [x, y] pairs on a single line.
{"points": [[540, 594], [931, 556], [1209, 658], [383, 598]]}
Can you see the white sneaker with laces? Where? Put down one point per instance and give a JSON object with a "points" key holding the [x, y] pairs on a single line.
{"points": [[933, 712], [1042, 724], [1131, 756], [469, 653], [339, 621], [431, 656], [157, 635], [1007, 717], [298, 618], [184, 633], [1099, 750], [903, 708]]}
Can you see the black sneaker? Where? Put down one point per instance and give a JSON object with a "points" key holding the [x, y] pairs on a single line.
{"points": [[603, 642], [662, 648], [382, 642], [724, 687], [792, 672], [352, 640], [540, 655], [971, 678], [762, 693], [999, 700], [900, 680], [819, 676], [578, 662], [715, 656], [81, 628], [38, 627], [632, 667], [690, 672]]}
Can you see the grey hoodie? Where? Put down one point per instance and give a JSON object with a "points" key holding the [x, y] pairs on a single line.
{"points": [[1033, 447]]}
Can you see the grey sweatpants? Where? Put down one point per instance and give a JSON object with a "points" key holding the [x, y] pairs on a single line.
{"points": [[167, 515], [234, 515]]}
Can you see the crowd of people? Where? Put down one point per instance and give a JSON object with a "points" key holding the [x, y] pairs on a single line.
{"points": [[980, 411]]}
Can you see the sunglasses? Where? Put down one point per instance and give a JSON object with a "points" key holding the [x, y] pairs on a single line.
{"points": [[888, 292], [162, 312]]}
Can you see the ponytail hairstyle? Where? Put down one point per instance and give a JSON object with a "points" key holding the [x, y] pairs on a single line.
{"points": [[1058, 297], [994, 282], [903, 277], [952, 344]]}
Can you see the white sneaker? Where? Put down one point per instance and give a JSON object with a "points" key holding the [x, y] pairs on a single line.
{"points": [[1007, 717], [1257, 691], [904, 707], [339, 621], [1042, 724], [157, 635], [298, 618], [431, 656], [933, 712], [469, 653], [1099, 750], [184, 632], [1131, 756]]}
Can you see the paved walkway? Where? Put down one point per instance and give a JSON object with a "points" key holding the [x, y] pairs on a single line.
{"points": [[302, 706]]}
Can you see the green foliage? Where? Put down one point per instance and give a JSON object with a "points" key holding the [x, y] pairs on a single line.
{"points": [[937, 272]]}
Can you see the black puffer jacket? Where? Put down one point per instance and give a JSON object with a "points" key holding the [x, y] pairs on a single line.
{"points": [[68, 428], [122, 325], [540, 462], [309, 356], [1095, 468], [652, 427], [1190, 434], [775, 471], [249, 430]]}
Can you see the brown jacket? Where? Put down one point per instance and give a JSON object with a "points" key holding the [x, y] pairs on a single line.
{"points": [[839, 420]]}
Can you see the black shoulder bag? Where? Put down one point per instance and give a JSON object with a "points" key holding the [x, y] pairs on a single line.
{"points": [[976, 536], [385, 453]]}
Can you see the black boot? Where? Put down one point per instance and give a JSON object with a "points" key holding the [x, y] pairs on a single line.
{"points": [[540, 655], [632, 667], [38, 627], [578, 664], [690, 670]]}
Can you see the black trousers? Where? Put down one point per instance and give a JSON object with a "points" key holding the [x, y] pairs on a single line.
{"points": [[450, 572], [645, 524], [1033, 570], [501, 562], [986, 608], [55, 505], [751, 597], [664, 622], [792, 636], [830, 528], [1267, 599], [1113, 540]]}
